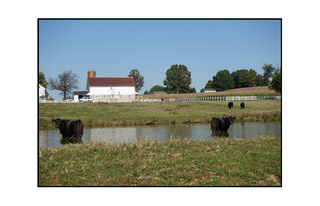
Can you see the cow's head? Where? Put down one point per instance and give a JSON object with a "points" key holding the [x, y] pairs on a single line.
{"points": [[57, 121], [231, 119]]}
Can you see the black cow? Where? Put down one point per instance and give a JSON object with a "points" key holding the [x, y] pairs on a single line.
{"points": [[242, 105], [70, 129], [230, 104], [221, 125]]}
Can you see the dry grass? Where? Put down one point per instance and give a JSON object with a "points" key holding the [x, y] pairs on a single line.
{"points": [[247, 90]]}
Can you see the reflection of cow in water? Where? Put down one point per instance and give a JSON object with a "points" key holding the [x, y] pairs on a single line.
{"points": [[221, 125], [70, 129]]}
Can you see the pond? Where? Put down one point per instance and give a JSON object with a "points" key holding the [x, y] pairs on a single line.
{"points": [[50, 138]]}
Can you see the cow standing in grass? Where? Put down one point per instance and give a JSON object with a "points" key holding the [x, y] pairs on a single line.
{"points": [[230, 105], [70, 129], [242, 105], [221, 125]]}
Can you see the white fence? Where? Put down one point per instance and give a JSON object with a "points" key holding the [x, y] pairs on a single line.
{"points": [[117, 100], [93, 101], [57, 101], [241, 98], [232, 98], [251, 98], [149, 100]]}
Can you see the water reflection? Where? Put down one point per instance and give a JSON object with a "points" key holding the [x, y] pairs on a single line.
{"points": [[221, 134], [69, 141], [50, 138]]}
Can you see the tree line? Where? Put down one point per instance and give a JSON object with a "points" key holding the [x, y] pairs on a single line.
{"points": [[178, 80], [224, 80]]}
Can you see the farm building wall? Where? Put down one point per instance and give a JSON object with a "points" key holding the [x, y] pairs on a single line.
{"points": [[110, 93], [42, 91]]}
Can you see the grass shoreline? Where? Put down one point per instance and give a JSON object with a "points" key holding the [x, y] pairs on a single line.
{"points": [[176, 162], [276, 117], [124, 114]]}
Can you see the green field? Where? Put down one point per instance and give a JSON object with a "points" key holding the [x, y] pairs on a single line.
{"points": [[177, 162], [138, 113]]}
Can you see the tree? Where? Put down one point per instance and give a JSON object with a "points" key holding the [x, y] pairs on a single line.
{"points": [[66, 82], [248, 79], [222, 81], [275, 83], [192, 90], [157, 88], [259, 81], [146, 92], [43, 82], [244, 78], [209, 83], [138, 79], [178, 79], [267, 74]]}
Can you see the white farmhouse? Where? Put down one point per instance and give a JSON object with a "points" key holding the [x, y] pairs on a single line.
{"points": [[209, 90], [107, 88], [42, 91]]}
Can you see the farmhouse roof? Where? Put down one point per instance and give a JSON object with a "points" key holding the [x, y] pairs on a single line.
{"points": [[110, 81], [79, 92]]}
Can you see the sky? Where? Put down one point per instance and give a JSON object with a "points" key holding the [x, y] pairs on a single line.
{"points": [[113, 48]]}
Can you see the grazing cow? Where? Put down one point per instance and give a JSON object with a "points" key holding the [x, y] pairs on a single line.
{"points": [[70, 129], [242, 105], [230, 104], [221, 125]]}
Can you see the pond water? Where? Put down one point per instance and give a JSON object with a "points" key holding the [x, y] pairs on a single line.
{"points": [[51, 138]]}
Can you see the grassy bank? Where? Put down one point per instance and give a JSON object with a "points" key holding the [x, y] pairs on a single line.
{"points": [[177, 162], [135, 113]]}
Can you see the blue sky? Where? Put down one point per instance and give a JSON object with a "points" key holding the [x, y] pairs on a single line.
{"points": [[113, 48]]}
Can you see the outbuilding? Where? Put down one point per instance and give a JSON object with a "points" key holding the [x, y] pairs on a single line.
{"points": [[209, 90], [42, 91], [78, 95]]}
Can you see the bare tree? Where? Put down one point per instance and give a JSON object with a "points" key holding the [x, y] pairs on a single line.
{"points": [[66, 82]]}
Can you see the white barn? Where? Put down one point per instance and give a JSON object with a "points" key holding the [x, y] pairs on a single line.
{"points": [[108, 88], [42, 91]]}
